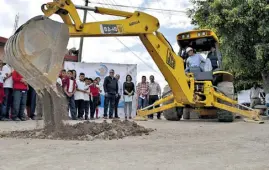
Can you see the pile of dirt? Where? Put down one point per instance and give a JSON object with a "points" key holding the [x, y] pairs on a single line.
{"points": [[85, 131]]}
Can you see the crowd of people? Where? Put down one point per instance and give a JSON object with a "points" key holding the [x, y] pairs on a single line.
{"points": [[82, 93], [16, 96]]}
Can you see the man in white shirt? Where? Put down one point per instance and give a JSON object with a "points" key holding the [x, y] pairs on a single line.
{"points": [[120, 92], [194, 60], [154, 94], [80, 95], [8, 89], [255, 95]]}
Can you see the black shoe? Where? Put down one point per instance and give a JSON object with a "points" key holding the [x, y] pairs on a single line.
{"points": [[16, 119], [110, 117], [159, 118], [86, 118], [4, 119], [117, 117], [22, 119], [32, 117], [92, 118], [105, 117]]}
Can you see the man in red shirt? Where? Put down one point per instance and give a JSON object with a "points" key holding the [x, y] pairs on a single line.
{"points": [[20, 88], [94, 91]]}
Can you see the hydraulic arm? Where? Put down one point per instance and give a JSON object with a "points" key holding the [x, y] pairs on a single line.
{"points": [[134, 24]]}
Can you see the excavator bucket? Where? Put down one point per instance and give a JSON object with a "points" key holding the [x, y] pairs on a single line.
{"points": [[36, 51]]}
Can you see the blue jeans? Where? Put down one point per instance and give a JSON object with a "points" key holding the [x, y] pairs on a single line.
{"points": [[109, 103], [72, 107], [7, 103], [142, 103], [19, 104]]}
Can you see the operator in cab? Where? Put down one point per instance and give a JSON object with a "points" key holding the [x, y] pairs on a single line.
{"points": [[215, 57], [194, 60]]}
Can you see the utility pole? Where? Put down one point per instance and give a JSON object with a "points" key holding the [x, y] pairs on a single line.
{"points": [[82, 39], [17, 17]]}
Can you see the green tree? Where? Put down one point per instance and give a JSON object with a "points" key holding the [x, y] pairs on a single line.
{"points": [[243, 29]]}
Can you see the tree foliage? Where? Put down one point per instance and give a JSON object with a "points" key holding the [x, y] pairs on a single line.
{"points": [[243, 29]]}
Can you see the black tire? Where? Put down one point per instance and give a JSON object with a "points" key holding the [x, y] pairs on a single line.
{"points": [[186, 113], [174, 114], [227, 89], [225, 116]]}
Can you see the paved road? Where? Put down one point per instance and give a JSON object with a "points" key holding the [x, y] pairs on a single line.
{"points": [[182, 145]]}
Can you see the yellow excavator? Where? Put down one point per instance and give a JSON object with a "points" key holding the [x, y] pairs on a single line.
{"points": [[37, 50]]}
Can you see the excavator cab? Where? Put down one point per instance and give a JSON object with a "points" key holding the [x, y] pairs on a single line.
{"points": [[204, 42]]}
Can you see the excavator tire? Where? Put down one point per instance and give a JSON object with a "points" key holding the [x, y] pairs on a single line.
{"points": [[227, 88], [186, 113], [174, 114]]}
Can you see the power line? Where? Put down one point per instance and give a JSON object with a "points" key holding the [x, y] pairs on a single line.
{"points": [[132, 52], [158, 1], [130, 49], [118, 8], [145, 8]]}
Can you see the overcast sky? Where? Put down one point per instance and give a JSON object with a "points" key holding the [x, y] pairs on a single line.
{"points": [[109, 49]]}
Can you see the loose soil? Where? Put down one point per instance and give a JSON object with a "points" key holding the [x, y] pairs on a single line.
{"points": [[87, 130]]}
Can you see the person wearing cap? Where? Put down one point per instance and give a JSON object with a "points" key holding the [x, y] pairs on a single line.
{"points": [[194, 60], [111, 91]]}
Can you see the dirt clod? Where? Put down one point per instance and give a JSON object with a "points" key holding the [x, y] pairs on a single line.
{"points": [[85, 131]]}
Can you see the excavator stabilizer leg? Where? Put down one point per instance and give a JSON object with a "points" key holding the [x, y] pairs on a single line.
{"points": [[36, 51]]}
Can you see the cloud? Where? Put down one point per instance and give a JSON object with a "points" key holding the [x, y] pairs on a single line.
{"points": [[172, 19], [107, 49]]}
